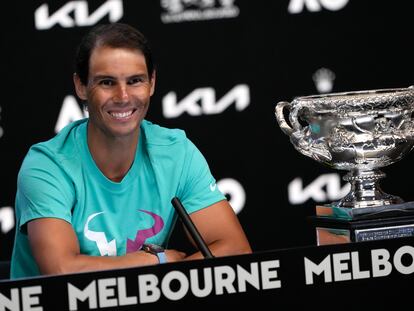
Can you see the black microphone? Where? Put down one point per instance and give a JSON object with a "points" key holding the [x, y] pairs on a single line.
{"points": [[188, 223]]}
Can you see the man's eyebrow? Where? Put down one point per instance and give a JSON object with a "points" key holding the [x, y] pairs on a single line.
{"points": [[139, 75], [102, 77]]}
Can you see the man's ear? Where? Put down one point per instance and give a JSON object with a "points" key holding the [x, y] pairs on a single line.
{"points": [[79, 87], [153, 78]]}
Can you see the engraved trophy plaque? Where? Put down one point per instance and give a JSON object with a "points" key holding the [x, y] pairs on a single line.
{"points": [[359, 132]]}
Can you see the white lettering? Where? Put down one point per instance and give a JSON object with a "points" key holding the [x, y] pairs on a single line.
{"points": [[315, 190], [224, 277], [11, 303], [235, 191], [196, 10], [239, 95], [339, 266], [312, 268], [69, 112], [148, 290], [297, 6], [334, 5], [62, 17], [6, 219], [380, 262], [346, 266], [112, 8], [75, 294], [356, 272], [30, 299], [182, 288], [106, 293], [124, 300], [195, 283], [268, 274], [252, 277], [174, 285], [404, 250]]}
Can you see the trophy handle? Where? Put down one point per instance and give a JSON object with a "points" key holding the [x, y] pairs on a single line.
{"points": [[283, 124], [300, 140]]}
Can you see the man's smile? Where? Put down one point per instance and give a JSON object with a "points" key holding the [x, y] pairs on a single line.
{"points": [[121, 115]]}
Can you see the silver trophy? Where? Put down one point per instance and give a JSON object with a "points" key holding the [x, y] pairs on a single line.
{"points": [[359, 132]]}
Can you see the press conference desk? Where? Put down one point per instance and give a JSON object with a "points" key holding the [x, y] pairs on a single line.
{"points": [[377, 275]]}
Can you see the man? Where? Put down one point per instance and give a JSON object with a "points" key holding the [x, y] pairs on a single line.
{"points": [[91, 197]]}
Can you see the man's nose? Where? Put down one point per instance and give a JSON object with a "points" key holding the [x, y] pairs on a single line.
{"points": [[121, 94]]}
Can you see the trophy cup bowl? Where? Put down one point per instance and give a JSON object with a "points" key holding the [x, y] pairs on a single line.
{"points": [[359, 132]]}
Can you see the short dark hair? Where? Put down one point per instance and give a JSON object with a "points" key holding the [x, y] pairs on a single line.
{"points": [[116, 35]]}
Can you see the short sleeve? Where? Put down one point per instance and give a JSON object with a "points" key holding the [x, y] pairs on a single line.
{"points": [[43, 190], [199, 186]]}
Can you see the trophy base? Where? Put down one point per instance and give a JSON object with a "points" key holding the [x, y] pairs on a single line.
{"points": [[335, 225], [370, 212]]}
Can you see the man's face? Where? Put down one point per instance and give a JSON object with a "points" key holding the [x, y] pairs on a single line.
{"points": [[118, 91]]}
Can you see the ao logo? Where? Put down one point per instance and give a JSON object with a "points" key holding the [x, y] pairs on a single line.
{"points": [[297, 6], [6, 219], [235, 191], [69, 112], [203, 101], [80, 12], [297, 194]]}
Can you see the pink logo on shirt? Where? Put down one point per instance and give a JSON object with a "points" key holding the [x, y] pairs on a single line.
{"points": [[142, 235]]}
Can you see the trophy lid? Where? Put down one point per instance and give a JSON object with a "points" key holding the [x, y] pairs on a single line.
{"points": [[393, 99]]}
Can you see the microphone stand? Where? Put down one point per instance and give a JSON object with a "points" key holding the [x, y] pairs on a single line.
{"points": [[188, 223]]}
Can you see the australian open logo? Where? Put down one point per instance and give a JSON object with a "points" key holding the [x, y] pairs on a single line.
{"points": [[178, 11]]}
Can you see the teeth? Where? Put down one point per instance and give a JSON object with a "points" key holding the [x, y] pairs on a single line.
{"points": [[121, 114]]}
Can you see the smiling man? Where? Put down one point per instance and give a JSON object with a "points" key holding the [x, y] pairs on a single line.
{"points": [[98, 195]]}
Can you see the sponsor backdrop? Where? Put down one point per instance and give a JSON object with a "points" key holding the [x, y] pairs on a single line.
{"points": [[222, 67]]}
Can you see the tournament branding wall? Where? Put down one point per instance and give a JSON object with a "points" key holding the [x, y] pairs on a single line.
{"points": [[222, 65]]}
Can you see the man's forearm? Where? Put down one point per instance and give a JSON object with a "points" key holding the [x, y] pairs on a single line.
{"points": [[223, 248], [82, 263]]}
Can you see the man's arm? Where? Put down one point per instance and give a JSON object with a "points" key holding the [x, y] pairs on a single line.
{"points": [[220, 228], [56, 250]]}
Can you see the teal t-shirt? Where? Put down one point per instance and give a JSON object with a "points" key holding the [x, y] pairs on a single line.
{"points": [[59, 178]]}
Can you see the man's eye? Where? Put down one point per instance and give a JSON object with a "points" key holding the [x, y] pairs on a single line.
{"points": [[135, 81], [106, 82]]}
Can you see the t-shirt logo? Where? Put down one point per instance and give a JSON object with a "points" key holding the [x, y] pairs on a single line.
{"points": [[213, 186], [142, 235], [109, 248]]}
